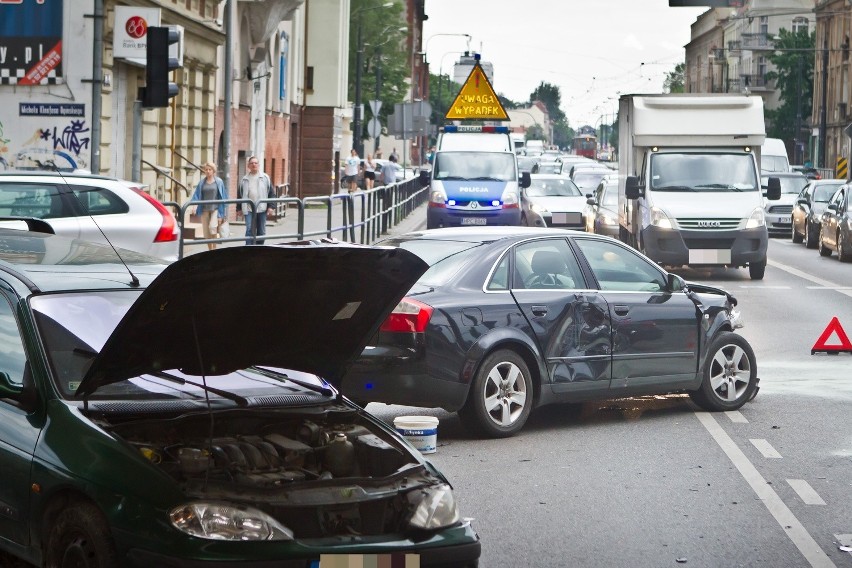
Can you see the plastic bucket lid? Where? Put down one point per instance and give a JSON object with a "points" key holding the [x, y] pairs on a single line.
{"points": [[420, 431]]}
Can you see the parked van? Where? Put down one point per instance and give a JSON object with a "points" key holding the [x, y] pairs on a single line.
{"points": [[773, 156], [474, 179]]}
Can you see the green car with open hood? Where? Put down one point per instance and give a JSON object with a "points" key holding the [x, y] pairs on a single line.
{"points": [[187, 414]]}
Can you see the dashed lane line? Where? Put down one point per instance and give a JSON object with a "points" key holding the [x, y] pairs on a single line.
{"points": [[806, 493], [819, 281], [792, 527], [736, 417], [765, 448]]}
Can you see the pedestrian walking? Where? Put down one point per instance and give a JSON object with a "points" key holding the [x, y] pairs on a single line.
{"points": [[256, 187], [210, 188], [369, 172], [350, 171], [389, 171], [394, 155], [430, 156]]}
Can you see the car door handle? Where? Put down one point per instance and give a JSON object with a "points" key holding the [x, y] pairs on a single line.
{"points": [[621, 309], [539, 311]]}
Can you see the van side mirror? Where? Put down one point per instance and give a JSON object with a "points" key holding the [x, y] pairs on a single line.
{"points": [[526, 180], [590, 201], [632, 188], [424, 178], [773, 189]]}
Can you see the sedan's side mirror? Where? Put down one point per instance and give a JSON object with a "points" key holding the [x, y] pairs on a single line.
{"points": [[632, 188], [674, 283], [773, 189], [832, 206], [424, 178], [526, 180], [590, 201]]}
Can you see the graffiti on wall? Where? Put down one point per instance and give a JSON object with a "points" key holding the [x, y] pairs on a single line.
{"points": [[63, 145]]}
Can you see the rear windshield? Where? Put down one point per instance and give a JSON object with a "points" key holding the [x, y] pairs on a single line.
{"points": [[445, 258], [824, 191]]}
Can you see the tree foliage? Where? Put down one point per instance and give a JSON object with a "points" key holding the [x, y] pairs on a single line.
{"points": [[551, 96], [793, 59], [384, 46], [442, 93], [674, 79]]}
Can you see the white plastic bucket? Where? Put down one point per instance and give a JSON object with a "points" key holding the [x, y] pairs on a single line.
{"points": [[420, 431]]}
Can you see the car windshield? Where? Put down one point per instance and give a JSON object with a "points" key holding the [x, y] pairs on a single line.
{"points": [[703, 172], [824, 191], [483, 166], [558, 187], [792, 185], [75, 326], [610, 198]]}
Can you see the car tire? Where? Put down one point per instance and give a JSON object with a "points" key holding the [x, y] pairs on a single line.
{"points": [[823, 250], [797, 238], [811, 236], [500, 397], [80, 537], [842, 254], [756, 270], [729, 374]]}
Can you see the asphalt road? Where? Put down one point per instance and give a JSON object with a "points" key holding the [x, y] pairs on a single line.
{"points": [[653, 481]]}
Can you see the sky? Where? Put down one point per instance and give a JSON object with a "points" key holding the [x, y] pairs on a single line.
{"points": [[593, 50]]}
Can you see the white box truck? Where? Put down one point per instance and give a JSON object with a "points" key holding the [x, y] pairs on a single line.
{"points": [[689, 184]]}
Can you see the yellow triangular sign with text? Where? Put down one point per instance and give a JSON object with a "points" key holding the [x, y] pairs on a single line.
{"points": [[476, 100]]}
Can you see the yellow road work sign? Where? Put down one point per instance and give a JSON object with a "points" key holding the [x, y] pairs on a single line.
{"points": [[842, 168], [476, 100]]}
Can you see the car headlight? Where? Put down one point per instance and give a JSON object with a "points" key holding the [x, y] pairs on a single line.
{"points": [[540, 209], [736, 319], [436, 509], [223, 521], [509, 197], [608, 219], [660, 219], [757, 219], [438, 196]]}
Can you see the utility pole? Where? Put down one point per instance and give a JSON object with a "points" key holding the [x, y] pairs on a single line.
{"points": [[822, 112], [796, 157], [378, 92], [357, 137]]}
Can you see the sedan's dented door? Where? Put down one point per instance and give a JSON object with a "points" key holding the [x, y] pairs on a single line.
{"points": [[571, 322]]}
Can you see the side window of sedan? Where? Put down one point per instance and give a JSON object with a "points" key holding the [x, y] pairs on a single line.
{"points": [[100, 201], [619, 268], [547, 264], [13, 358]]}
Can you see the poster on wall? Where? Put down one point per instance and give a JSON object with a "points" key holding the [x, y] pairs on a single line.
{"points": [[30, 42]]}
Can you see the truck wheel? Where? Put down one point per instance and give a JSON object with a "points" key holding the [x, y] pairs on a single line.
{"points": [[500, 397], [729, 375], [757, 269]]}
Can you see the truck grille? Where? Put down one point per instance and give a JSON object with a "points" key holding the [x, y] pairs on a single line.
{"points": [[707, 224]]}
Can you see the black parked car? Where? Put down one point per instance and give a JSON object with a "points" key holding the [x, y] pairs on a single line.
{"points": [[835, 233], [508, 319], [808, 209]]}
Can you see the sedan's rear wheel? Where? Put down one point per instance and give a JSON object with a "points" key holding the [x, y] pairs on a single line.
{"points": [[842, 254], [797, 238], [811, 235], [501, 396], [730, 374]]}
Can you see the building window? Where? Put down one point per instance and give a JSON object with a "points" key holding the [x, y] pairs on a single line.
{"points": [[800, 24], [764, 25]]}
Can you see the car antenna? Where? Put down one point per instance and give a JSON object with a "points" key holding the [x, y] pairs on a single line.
{"points": [[134, 281]]}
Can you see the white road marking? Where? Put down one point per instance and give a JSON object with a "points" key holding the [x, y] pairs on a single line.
{"points": [[736, 417], [814, 279], [807, 494], [761, 287], [828, 287], [766, 449], [792, 527]]}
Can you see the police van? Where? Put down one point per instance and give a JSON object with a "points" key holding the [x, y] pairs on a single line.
{"points": [[474, 178]]}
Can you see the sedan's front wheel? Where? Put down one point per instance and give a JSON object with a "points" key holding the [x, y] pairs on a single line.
{"points": [[80, 538], [811, 235], [797, 238], [500, 397], [730, 374]]}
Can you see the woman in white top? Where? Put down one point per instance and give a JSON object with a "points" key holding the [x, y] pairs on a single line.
{"points": [[369, 172]]}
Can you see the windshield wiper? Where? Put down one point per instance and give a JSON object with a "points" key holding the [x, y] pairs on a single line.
{"points": [[452, 178], [485, 178], [674, 188], [241, 401], [718, 186], [273, 374]]}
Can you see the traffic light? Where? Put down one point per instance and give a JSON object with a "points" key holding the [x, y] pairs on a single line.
{"points": [[160, 59]]}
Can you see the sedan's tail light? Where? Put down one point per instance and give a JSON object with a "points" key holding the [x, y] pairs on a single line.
{"points": [[167, 231], [408, 316]]}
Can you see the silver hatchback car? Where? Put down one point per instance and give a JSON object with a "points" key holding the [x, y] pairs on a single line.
{"points": [[82, 205]]}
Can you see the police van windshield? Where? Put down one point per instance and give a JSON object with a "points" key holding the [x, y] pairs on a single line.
{"points": [[703, 173], [483, 166]]}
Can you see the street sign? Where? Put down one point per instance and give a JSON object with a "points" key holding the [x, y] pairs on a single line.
{"points": [[375, 106], [374, 127], [476, 99]]}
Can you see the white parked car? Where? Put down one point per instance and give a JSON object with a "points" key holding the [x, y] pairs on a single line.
{"points": [[84, 205], [779, 213], [553, 200]]}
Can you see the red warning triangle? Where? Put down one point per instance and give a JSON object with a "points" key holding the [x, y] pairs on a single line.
{"points": [[834, 327]]}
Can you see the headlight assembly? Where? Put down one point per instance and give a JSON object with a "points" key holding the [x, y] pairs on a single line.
{"points": [[660, 219], [757, 219], [540, 209], [223, 521], [436, 509]]}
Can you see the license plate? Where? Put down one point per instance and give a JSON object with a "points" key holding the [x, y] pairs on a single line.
{"points": [[408, 560], [567, 218], [709, 256], [782, 220], [474, 221]]}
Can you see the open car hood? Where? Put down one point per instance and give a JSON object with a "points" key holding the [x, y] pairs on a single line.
{"points": [[309, 308]]}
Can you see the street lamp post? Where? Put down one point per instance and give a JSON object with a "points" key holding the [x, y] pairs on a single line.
{"points": [[438, 108], [357, 134]]}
